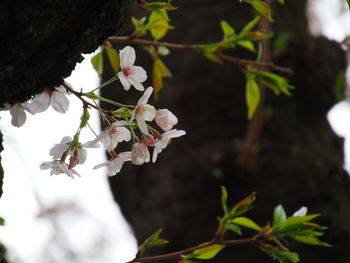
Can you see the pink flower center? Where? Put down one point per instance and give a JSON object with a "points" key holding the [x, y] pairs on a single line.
{"points": [[113, 131], [128, 71]]}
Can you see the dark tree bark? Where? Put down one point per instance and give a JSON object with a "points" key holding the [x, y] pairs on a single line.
{"points": [[41, 41], [299, 159]]}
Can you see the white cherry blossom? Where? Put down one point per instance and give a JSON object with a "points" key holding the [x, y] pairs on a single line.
{"points": [[164, 141], [58, 167], [130, 74], [58, 149], [301, 212], [144, 112], [112, 135], [17, 111], [165, 119], [56, 98], [115, 165], [139, 154]]}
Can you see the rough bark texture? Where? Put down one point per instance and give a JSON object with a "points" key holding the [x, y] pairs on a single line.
{"points": [[299, 158], [41, 41]]}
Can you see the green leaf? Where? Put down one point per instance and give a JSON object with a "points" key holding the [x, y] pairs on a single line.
{"points": [[348, 1], [311, 240], [252, 95], [234, 228], [247, 45], [280, 43], [279, 215], [159, 72], [163, 51], [249, 27], [206, 252], [113, 58], [158, 25], [213, 57], [273, 81], [246, 222], [224, 198], [227, 29], [292, 224], [157, 6], [282, 256], [262, 8], [84, 118], [281, 1], [243, 206], [2, 221], [153, 241], [97, 63]]}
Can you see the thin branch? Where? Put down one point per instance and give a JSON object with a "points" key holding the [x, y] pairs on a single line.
{"points": [[176, 255], [195, 47]]}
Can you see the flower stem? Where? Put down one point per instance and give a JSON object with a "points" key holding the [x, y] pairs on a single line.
{"points": [[106, 83]]}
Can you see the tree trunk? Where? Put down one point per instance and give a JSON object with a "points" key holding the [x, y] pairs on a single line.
{"points": [[298, 160]]}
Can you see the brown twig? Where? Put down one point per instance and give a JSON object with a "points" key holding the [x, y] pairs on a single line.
{"points": [[249, 148], [195, 47], [175, 255]]}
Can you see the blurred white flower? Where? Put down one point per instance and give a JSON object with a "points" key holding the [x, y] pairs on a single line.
{"points": [[130, 74], [81, 154], [301, 212], [58, 167], [112, 135], [115, 165], [139, 154], [164, 141], [144, 112], [56, 98], [165, 119]]}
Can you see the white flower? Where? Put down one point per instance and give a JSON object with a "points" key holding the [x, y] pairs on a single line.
{"points": [[17, 111], [164, 141], [144, 112], [115, 165], [112, 135], [130, 75], [56, 98], [301, 212], [139, 154], [58, 167], [165, 119], [58, 149]]}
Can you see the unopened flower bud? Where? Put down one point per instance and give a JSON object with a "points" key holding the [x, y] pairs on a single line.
{"points": [[148, 140]]}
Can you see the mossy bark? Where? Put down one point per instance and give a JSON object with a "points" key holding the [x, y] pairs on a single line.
{"points": [[299, 158]]}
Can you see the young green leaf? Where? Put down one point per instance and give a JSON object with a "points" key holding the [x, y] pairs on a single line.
{"points": [[247, 45], [224, 198], [234, 228], [97, 63], [158, 73], [227, 29], [281, 256], [311, 240], [153, 241], [252, 94], [262, 8], [281, 1], [246, 222], [279, 215], [243, 206], [348, 1], [206, 252], [113, 58], [249, 27], [275, 82], [158, 25], [2, 221]]}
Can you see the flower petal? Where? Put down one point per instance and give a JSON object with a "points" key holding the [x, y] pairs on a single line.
{"points": [[40, 103], [138, 74], [101, 165], [59, 101], [124, 80], [301, 212], [142, 124], [165, 119], [137, 85], [127, 57], [145, 97], [148, 113], [139, 154]]}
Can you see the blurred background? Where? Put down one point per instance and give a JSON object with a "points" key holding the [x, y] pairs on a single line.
{"points": [[298, 160]]}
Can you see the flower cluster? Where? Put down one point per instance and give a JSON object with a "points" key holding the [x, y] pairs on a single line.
{"points": [[125, 123], [39, 103]]}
